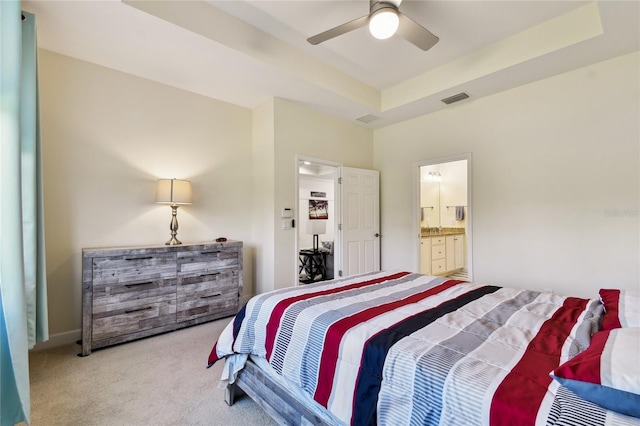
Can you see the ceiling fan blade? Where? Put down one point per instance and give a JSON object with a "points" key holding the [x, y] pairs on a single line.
{"points": [[339, 30], [415, 33]]}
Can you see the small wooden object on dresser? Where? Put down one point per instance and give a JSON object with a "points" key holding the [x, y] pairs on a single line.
{"points": [[134, 292]]}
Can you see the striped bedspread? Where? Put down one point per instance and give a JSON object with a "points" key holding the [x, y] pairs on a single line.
{"points": [[397, 348]]}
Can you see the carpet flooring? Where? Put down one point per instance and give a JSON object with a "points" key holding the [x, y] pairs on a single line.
{"points": [[160, 380]]}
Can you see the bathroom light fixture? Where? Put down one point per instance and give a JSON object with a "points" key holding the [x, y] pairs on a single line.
{"points": [[384, 22], [432, 177], [173, 192]]}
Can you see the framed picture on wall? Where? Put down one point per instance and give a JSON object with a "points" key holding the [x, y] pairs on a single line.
{"points": [[318, 209]]}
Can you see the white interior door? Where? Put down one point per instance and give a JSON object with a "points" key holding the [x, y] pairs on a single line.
{"points": [[360, 221]]}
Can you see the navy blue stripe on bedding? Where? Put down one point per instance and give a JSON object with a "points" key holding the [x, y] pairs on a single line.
{"points": [[376, 349]]}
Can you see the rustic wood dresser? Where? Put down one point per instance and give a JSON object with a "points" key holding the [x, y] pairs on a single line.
{"points": [[134, 292]]}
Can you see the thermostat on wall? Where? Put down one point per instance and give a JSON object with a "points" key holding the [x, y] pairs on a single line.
{"points": [[286, 212]]}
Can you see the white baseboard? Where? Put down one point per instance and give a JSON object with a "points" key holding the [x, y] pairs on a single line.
{"points": [[59, 339]]}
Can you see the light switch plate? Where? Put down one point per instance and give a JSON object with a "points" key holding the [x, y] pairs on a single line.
{"points": [[286, 212]]}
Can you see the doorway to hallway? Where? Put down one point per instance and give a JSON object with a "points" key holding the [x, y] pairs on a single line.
{"points": [[338, 221], [317, 228]]}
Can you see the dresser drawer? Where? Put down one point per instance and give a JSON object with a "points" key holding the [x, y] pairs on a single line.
{"points": [[131, 269], [207, 294], [130, 317], [117, 293], [438, 267], [437, 252], [207, 260]]}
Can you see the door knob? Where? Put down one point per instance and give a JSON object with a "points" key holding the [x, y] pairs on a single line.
{"points": [[376, 235]]}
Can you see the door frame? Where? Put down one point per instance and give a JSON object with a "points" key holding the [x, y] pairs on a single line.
{"points": [[336, 210], [416, 205]]}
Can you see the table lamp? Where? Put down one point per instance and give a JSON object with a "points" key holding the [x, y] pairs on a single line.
{"points": [[173, 192], [316, 227]]}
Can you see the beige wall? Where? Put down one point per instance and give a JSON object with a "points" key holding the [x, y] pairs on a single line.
{"points": [[555, 175], [263, 196], [107, 136], [300, 131], [556, 181]]}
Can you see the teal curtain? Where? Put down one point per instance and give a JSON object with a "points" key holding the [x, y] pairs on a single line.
{"points": [[23, 293]]}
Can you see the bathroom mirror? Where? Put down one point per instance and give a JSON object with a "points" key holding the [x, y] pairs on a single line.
{"points": [[443, 195], [430, 179]]}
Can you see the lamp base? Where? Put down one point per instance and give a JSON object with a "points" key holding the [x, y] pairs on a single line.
{"points": [[173, 242], [173, 226]]}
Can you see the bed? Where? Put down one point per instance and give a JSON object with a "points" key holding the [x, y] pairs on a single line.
{"points": [[396, 348]]}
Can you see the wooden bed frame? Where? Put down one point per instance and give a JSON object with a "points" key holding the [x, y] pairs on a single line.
{"points": [[272, 397]]}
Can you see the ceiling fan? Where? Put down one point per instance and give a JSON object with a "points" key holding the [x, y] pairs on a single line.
{"points": [[385, 20]]}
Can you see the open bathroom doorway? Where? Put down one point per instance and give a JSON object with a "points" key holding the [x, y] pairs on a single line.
{"points": [[444, 217]]}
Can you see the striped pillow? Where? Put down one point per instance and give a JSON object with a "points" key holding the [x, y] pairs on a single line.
{"points": [[607, 373], [621, 308]]}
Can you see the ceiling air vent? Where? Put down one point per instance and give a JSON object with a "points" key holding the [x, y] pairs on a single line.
{"points": [[455, 98], [368, 118]]}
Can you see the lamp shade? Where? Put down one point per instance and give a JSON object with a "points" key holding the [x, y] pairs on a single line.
{"points": [[316, 227], [173, 191], [384, 23]]}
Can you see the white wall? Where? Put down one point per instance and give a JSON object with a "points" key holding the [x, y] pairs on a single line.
{"points": [[555, 180], [106, 137]]}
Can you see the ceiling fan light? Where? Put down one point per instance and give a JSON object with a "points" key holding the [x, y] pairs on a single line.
{"points": [[384, 23]]}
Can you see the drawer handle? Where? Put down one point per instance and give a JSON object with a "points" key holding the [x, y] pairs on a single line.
{"points": [[211, 252], [211, 295], [213, 274], [137, 284], [138, 310], [139, 258]]}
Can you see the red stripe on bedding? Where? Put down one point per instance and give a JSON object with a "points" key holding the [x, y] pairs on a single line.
{"points": [[276, 315], [213, 356], [519, 395], [611, 301], [337, 330]]}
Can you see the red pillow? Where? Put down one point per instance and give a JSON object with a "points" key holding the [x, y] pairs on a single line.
{"points": [[621, 308]]}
